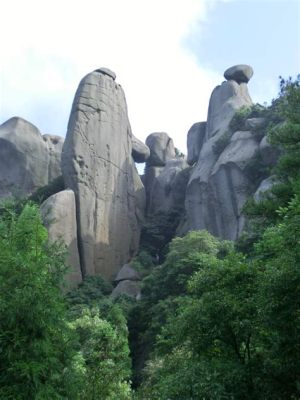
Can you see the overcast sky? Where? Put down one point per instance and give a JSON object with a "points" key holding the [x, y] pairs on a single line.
{"points": [[168, 55]]}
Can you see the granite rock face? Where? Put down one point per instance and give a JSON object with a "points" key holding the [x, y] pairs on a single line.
{"points": [[28, 160], [161, 149], [97, 165], [59, 217], [165, 186], [269, 153], [195, 138], [223, 179]]}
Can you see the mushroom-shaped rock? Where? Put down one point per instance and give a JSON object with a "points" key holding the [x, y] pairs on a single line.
{"points": [[59, 216], [106, 71], [140, 152], [241, 73], [161, 149], [127, 272], [195, 138], [129, 288]]}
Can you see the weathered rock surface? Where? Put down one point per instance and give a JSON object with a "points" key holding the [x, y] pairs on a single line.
{"points": [[127, 272], [59, 216], [98, 166], [54, 145], [254, 123], [269, 153], [161, 149], [28, 160], [140, 152], [225, 100], [166, 186], [264, 186], [195, 138], [129, 288], [221, 181], [239, 73]]}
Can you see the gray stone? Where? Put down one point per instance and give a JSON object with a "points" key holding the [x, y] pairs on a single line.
{"points": [[127, 272], [220, 182], [54, 144], [195, 138], [97, 165], [140, 152], [254, 123], [106, 71], [240, 73], [59, 216], [263, 188], [165, 186], [269, 153], [27, 160], [129, 288], [225, 101], [161, 149]]}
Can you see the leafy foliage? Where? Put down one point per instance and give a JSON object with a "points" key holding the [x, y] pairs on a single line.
{"points": [[35, 338]]}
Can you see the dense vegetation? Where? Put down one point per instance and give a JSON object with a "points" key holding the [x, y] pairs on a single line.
{"points": [[216, 321]]}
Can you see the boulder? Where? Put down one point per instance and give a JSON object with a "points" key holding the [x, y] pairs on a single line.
{"points": [[127, 272], [28, 161], [97, 165], [254, 123], [54, 145], [264, 187], [161, 149], [166, 186], [128, 288], [195, 138], [240, 73], [59, 216], [140, 152], [269, 153]]}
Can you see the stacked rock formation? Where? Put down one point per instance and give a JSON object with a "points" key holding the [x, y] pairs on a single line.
{"points": [[97, 165], [164, 178], [221, 180], [127, 282]]}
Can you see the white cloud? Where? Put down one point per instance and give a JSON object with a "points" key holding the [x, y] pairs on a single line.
{"points": [[49, 46]]}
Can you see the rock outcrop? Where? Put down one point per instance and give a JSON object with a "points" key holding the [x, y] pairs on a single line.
{"points": [[140, 152], [28, 160], [128, 288], [222, 179], [97, 165], [59, 216], [161, 149], [195, 138]]}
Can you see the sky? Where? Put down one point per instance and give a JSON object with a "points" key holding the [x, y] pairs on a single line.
{"points": [[168, 56]]}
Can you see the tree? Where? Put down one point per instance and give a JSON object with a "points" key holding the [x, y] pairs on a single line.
{"points": [[34, 335]]}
